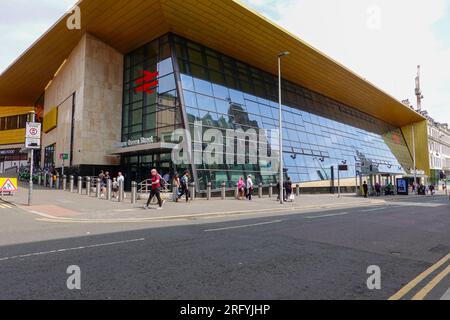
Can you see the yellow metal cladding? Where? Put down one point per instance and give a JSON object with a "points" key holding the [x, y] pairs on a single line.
{"points": [[16, 136], [421, 143], [224, 25], [13, 111], [50, 120]]}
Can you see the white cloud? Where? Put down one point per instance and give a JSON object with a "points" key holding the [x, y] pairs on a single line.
{"points": [[23, 21], [385, 50]]}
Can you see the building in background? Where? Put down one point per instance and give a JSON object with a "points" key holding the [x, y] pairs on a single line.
{"points": [[439, 150], [12, 138], [216, 63]]}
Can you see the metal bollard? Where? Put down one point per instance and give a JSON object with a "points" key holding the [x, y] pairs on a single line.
{"points": [[109, 190], [64, 183], [222, 191], [57, 181], [71, 183], [297, 190], [260, 190], [133, 192], [88, 186], [121, 193], [98, 189], [80, 184], [208, 191], [39, 179], [270, 190], [236, 193], [50, 184], [192, 191]]}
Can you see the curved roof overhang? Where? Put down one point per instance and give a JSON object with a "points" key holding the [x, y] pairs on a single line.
{"points": [[223, 25]]}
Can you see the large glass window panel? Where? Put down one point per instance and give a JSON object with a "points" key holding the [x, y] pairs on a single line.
{"points": [[221, 92], [165, 67], [166, 83], [203, 87], [206, 103], [190, 99], [222, 106], [237, 97]]}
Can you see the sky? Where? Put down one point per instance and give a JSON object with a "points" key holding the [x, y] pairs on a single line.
{"points": [[383, 41]]}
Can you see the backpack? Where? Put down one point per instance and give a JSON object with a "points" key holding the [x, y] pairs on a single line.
{"points": [[162, 182], [183, 182]]}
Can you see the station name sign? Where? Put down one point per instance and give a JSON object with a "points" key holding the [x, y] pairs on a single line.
{"points": [[132, 143]]}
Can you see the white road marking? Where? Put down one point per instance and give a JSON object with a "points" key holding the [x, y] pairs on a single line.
{"points": [[70, 249], [370, 210], [328, 215], [446, 295], [245, 226], [418, 204]]}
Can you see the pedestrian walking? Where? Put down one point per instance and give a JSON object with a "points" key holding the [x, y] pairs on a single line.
{"points": [[156, 189], [378, 189], [115, 188], [176, 187], [288, 188], [184, 184], [241, 188], [365, 189], [249, 187]]}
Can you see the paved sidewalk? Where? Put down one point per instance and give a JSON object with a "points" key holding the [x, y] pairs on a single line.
{"points": [[63, 205]]}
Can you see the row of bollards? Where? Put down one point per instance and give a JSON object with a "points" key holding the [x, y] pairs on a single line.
{"points": [[47, 180], [61, 183], [236, 192]]}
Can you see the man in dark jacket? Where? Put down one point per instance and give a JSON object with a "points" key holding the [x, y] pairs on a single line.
{"points": [[365, 189]]}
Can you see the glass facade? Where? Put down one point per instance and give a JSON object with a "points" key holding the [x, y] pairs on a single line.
{"points": [[149, 115], [223, 93]]}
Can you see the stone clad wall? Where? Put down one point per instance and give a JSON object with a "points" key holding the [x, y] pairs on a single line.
{"points": [[94, 71], [70, 79], [102, 113]]}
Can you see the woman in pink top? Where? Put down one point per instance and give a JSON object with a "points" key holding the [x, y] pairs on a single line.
{"points": [[241, 187]]}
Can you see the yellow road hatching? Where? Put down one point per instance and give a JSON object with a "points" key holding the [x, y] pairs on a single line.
{"points": [[422, 294]]}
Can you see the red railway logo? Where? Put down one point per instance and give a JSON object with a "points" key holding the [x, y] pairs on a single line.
{"points": [[148, 82]]}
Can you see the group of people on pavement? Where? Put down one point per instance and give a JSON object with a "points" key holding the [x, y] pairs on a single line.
{"points": [[245, 188], [180, 187], [104, 176], [389, 189], [287, 190]]}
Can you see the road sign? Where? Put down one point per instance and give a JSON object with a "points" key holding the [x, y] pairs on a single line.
{"points": [[8, 184], [64, 156], [33, 130], [33, 135], [31, 143]]}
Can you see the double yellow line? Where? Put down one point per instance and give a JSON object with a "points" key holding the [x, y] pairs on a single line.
{"points": [[428, 287], [5, 206]]}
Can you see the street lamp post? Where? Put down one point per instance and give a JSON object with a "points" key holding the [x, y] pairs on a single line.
{"points": [[32, 118], [414, 158], [282, 54]]}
